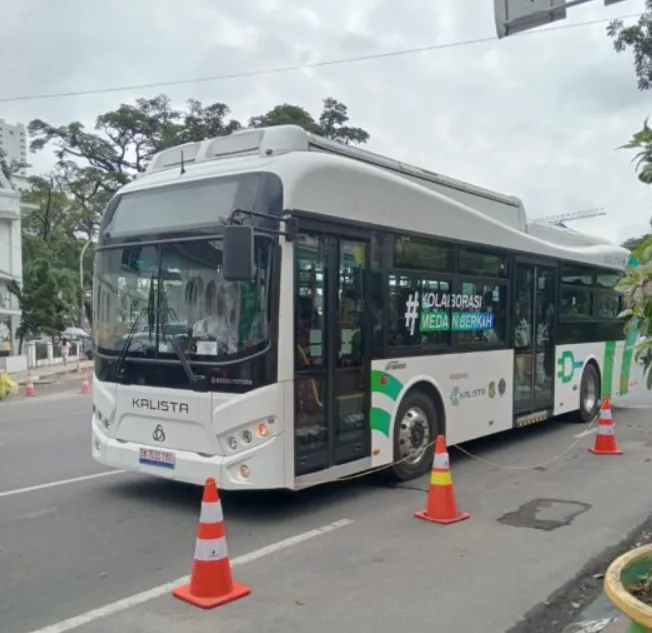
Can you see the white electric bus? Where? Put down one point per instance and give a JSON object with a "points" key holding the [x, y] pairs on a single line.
{"points": [[275, 310]]}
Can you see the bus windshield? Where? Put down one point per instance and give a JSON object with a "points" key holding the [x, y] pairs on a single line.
{"points": [[179, 289]]}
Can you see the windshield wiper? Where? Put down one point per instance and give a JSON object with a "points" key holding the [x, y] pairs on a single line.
{"points": [[125, 346], [196, 381]]}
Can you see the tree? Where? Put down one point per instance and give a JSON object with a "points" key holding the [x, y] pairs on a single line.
{"points": [[92, 164], [54, 229], [331, 124], [124, 140], [638, 38], [637, 245], [11, 168], [46, 299], [642, 141]]}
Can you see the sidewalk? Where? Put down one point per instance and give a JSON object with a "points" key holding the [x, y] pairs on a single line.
{"points": [[619, 625], [43, 374]]}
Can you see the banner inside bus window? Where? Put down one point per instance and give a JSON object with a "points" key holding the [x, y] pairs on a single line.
{"points": [[446, 311]]}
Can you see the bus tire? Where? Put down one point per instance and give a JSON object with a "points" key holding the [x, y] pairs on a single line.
{"points": [[589, 393], [415, 430]]}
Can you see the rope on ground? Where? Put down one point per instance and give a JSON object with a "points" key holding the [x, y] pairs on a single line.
{"points": [[547, 462], [430, 445]]}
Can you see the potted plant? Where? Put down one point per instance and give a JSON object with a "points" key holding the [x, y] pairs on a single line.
{"points": [[628, 584]]}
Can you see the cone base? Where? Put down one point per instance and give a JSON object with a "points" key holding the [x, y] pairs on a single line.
{"points": [[423, 514], [238, 591], [615, 451]]}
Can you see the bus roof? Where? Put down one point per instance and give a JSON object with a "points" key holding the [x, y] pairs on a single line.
{"points": [[316, 172]]}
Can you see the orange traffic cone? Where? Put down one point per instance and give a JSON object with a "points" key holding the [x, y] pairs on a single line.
{"points": [[86, 385], [29, 387], [211, 582], [442, 507], [605, 440]]}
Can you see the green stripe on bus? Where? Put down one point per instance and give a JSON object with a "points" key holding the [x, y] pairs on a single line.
{"points": [[608, 367], [382, 382], [628, 354], [380, 420]]}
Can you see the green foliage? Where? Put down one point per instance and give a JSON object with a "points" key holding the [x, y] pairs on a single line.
{"points": [[125, 139], [331, 123], [642, 141], [637, 38], [92, 164], [639, 245], [46, 298], [12, 167], [636, 287]]}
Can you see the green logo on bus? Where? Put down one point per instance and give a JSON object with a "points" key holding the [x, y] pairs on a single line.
{"points": [[567, 366]]}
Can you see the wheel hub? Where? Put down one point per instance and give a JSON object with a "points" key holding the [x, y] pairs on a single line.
{"points": [[413, 435], [590, 395]]}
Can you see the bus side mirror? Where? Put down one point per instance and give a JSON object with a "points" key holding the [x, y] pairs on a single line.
{"points": [[238, 253]]}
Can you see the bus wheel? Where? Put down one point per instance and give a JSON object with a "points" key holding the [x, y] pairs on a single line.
{"points": [[589, 393], [414, 432]]}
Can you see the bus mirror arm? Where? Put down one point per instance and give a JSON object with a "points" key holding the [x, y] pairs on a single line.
{"points": [[291, 227]]}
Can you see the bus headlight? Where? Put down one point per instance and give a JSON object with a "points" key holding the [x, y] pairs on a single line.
{"points": [[101, 418], [247, 436]]}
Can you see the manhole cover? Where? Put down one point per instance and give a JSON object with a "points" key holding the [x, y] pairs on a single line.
{"points": [[545, 514]]}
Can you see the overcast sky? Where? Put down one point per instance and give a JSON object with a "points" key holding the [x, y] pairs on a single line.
{"points": [[539, 116]]}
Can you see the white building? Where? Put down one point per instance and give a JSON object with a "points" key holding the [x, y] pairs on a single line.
{"points": [[11, 267], [13, 141]]}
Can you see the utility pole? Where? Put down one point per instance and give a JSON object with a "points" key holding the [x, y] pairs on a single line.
{"points": [[82, 311]]}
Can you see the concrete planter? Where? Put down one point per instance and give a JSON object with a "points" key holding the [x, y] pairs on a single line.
{"points": [[624, 571]]}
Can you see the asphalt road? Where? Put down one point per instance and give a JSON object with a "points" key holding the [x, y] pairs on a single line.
{"points": [[97, 555]]}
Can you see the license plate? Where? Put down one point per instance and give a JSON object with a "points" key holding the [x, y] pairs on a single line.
{"points": [[156, 457]]}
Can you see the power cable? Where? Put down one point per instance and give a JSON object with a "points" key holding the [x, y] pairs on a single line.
{"points": [[293, 68]]}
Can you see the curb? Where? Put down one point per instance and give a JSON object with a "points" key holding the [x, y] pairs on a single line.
{"points": [[43, 378], [599, 616]]}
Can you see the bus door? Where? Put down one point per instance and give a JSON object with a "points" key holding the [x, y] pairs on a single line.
{"points": [[534, 339], [332, 352]]}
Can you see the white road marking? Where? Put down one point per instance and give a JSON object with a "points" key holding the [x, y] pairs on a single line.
{"points": [[161, 590], [585, 433], [62, 482], [47, 397], [38, 514]]}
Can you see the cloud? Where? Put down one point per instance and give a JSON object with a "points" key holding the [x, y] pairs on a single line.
{"points": [[539, 115]]}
